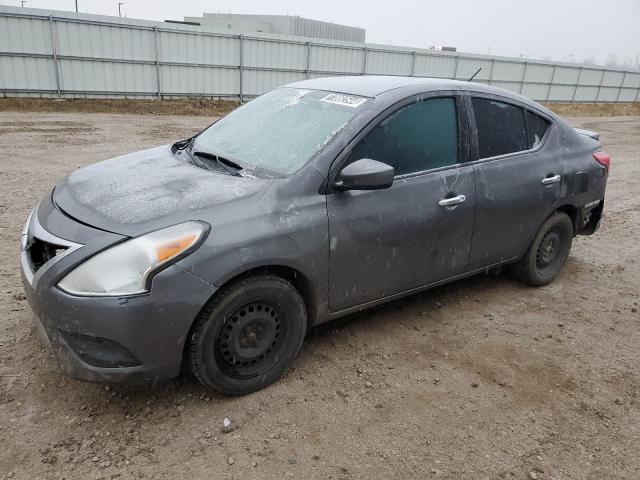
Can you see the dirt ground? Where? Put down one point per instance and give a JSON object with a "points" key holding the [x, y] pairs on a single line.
{"points": [[481, 379]]}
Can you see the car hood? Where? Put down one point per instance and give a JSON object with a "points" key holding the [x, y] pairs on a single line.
{"points": [[150, 189]]}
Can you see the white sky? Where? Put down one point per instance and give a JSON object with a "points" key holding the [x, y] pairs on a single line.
{"points": [[560, 29]]}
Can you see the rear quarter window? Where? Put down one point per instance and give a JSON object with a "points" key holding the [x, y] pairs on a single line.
{"points": [[501, 128], [536, 129]]}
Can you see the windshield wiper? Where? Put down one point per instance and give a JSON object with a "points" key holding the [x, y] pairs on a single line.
{"points": [[229, 165], [182, 144]]}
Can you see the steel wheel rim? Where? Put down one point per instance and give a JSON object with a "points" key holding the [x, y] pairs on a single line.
{"points": [[549, 251], [250, 341]]}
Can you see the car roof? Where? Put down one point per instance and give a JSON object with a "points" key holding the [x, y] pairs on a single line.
{"points": [[377, 85], [374, 85]]}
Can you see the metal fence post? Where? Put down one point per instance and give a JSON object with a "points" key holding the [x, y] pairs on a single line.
{"points": [[575, 90], [553, 77], [524, 75], [604, 72], [490, 79], [241, 66], [621, 84], [54, 50], [308, 60], [413, 63], [364, 61], [455, 69], [156, 44]]}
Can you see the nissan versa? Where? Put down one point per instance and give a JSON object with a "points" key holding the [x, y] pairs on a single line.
{"points": [[315, 200]]}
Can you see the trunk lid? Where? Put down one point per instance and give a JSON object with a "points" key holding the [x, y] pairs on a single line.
{"points": [[588, 133]]}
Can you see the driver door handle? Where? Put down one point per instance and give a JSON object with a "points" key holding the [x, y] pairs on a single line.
{"points": [[551, 180], [449, 202]]}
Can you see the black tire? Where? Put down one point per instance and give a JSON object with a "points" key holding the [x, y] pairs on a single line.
{"points": [[247, 335], [547, 253]]}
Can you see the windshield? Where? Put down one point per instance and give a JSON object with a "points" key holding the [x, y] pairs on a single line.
{"points": [[281, 130]]}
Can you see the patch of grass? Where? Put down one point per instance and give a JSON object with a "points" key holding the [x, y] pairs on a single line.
{"points": [[187, 107], [594, 109], [215, 108]]}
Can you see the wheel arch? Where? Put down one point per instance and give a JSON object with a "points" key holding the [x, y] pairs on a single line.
{"points": [[293, 275], [574, 214], [569, 209], [299, 280]]}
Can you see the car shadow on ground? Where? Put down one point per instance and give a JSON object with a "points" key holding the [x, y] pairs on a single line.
{"points": [[374, 321]]}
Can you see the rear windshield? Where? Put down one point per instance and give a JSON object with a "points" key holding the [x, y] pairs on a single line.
{"points": [[279, 131]]}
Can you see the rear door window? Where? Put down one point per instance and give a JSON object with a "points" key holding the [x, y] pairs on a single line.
{"points": [[417, 137], [536, 128], [500, 126]]}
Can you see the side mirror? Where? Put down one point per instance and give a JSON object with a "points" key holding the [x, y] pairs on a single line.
{"points": [[365, 174]]}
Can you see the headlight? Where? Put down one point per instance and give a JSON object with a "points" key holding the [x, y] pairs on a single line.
{"points": [[125, 268]]}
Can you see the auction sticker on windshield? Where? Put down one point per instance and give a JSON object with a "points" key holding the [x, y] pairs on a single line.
{"points": [[341, 99]]}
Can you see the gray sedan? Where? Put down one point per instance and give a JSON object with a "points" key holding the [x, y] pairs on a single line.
{"points": [[315, 200]]}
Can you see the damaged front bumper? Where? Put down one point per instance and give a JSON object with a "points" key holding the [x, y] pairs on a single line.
{"points": [[129, 339]]}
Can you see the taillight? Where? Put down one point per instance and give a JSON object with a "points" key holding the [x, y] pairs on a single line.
{"points": [[603, 159]]}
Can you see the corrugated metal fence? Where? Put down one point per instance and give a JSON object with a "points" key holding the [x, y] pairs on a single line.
{"points": [[68, 55]]}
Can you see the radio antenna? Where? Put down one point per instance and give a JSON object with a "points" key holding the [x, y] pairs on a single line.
{"points": [[474, 75]]}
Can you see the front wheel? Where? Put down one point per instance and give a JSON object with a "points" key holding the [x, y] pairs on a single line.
{"points": [[248, 334], [548, 252]]}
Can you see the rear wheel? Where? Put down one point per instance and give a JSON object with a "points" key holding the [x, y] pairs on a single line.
{"points": [[548, 252], [248, 335]]}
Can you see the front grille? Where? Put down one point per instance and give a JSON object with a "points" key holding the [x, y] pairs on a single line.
{"points": [[40, 249], [40, 252]]}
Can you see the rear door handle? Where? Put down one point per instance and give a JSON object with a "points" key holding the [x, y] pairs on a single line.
{"points": [[551, 180], [449, 202]]}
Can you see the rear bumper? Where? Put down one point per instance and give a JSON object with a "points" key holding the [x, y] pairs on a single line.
{"points": [[591, 215], [134, 340]]}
